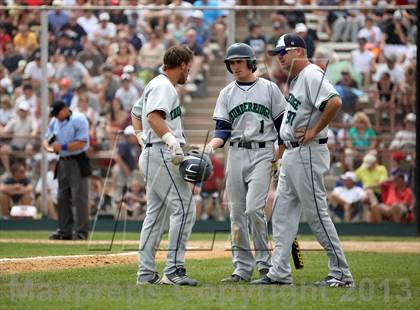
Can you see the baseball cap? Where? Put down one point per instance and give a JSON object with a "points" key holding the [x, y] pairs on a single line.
{"points": [[197, 14], [24, 105], [349, 175], [410, 117], [56, 107], [369, 160], [286, 41], [301, 27], [129, 130], [103, 16], [128, 69]]}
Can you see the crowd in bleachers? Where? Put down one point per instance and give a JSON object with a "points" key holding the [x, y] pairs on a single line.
{"points": [[99, 62]]}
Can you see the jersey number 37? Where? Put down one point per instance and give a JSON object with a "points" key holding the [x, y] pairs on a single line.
{"points": [[290, 117]]}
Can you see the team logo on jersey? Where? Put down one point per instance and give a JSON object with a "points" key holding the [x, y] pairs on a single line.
{"points": [[176, 113], [248, 107]]}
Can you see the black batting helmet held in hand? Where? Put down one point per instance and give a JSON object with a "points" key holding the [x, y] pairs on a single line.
{"points": [[241, 51], [196, 167]]}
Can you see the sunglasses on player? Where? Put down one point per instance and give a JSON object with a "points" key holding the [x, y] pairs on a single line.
{"points": [[285, 50]]}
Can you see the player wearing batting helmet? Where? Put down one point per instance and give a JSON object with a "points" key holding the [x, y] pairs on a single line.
{"points": [[248, 113], [312, 104]]}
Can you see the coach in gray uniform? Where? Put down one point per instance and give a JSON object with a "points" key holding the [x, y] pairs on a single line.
{"points": [[68, 136], [158, 114], [312, 104], [248, 112]]}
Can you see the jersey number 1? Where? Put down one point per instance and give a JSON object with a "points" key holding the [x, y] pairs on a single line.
{"points": [[290, 117], [262, 126]]}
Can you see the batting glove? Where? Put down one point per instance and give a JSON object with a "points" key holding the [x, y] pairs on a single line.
{"points": [[208, 149], [177, 155], [275, 169]]}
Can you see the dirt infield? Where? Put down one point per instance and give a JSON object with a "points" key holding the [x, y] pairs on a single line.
{"points": [[196, 250]]}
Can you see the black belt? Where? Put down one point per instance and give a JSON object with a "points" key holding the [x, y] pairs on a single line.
{"points": [[69, 157], [320, 141], [248, 145], [148, 145]]}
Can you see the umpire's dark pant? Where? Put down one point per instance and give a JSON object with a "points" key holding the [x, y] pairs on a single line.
{"points": [[73, 190]]}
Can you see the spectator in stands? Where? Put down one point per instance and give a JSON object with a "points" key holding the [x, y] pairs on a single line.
{"points": [[347, 199], [289, 18], [210, 192], [405, 139], [57, 18], [138, 84], [302, 31], [408, 89], [371, 174], [135, 200], [373, 35], [125, 161], [21, 128], [104, 30], [127, 93], [191, 41], [66, 40], [73, 70], [28, 94], [135, 39], [88, 21], [4, 38], [362, 60], [90, 58], [33, 70], [106, 85], [397, 200], [73, 25], [52, 189], [361, 137], [117, 119], [84, 108], [391, 66], [65, 92], [384, 100], [347, 88], [175, 29], [150, 57], [119, 19], [25, 40], [6, 111], [395, 35], [201, 27], [256, 40], [402, 164], [210, 16], [15, 189], [125, 55], [11, 58]]}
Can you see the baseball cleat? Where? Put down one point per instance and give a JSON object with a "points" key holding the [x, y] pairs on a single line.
{"points": [[179, 277], [57, 235], [265, 280], [154, 281], [233, 279], [263, 272], [333, 282]]}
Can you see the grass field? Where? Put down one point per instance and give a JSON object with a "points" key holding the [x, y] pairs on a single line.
{"points": [[383, 281], [387, 281]]}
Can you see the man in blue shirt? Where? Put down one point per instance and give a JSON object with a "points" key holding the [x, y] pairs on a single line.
{"points": [[68, 136]]}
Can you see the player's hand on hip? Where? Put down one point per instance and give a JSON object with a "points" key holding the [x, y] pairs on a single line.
{"points": [[305, 135]]}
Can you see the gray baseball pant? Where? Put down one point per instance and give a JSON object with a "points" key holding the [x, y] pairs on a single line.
{"points": [[301, 186], [167, 192]]}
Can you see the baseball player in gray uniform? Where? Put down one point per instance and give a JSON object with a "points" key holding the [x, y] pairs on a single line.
{"points": [[248, 112], [312, 104], [158, 113]]}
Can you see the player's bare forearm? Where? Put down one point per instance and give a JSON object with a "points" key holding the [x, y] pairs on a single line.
{"points": [[215, 143], [157, 123], [137, 125], [280, 151]]}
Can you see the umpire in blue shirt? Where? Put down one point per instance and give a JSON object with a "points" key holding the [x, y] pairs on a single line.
{"points": [[68, 136]]}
